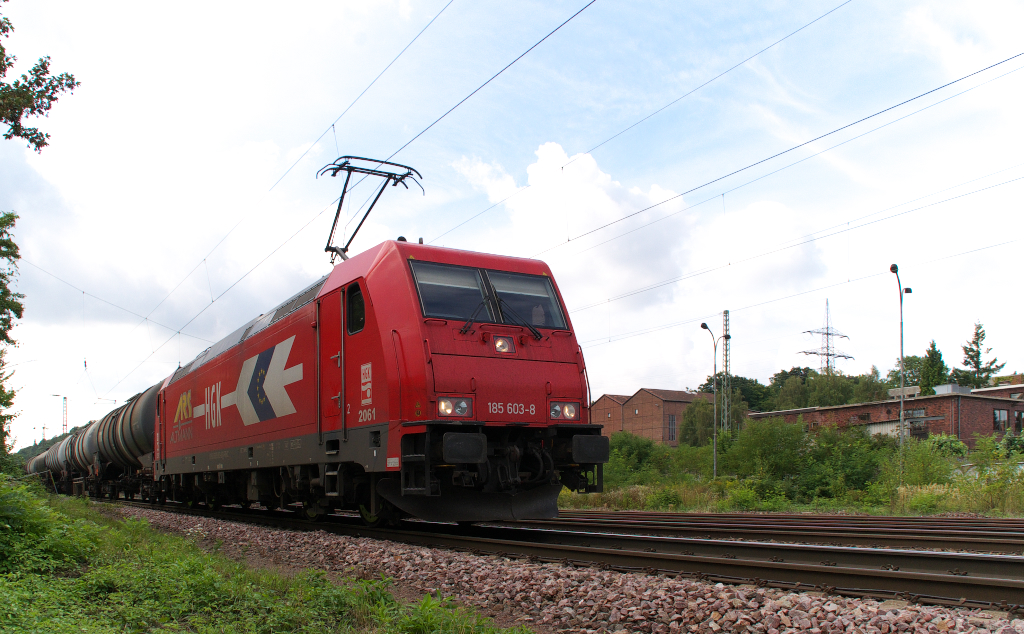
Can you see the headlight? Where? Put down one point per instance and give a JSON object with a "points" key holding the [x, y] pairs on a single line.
{"points": [[504, 345], [456, 406], [565, 411]]}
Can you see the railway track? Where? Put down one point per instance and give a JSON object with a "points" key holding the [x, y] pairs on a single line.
{"points": [[989, 581], [984, 534]]}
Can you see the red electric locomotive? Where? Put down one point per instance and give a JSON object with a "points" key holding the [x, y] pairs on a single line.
{"points": [[438, 383], [412, 380]]}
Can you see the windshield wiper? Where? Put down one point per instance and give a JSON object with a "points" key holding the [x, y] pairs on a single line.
{"points": [[536, 333], [472, 318]]}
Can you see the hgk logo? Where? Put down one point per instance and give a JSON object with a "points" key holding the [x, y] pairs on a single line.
{"points": [[366, 383], [213, 406]]}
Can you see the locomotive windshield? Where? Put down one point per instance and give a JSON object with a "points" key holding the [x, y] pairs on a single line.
{"points": [[457, 292], [451, 292], [526, 297]]}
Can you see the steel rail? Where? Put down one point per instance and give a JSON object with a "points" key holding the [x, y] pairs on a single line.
{"points": [[980, 587], [754, 528], [1009, 524]]}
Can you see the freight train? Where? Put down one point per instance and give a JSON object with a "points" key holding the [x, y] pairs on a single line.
{"points": [[411, 381]]}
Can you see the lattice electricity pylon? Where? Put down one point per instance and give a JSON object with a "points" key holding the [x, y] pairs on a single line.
{"points": [[827, 352], [726, 384]]}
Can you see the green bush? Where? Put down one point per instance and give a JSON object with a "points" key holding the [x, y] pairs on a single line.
{"points": [[1011, 445], [36, 538], [664, 499], [948, 446], [767, 448]]}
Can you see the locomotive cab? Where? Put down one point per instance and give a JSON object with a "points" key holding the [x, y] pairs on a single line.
{"points": [[503, 423]]}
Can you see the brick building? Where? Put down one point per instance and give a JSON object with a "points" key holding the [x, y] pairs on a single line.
{"points": [[608, 411], [650, 413], [953, 410]]}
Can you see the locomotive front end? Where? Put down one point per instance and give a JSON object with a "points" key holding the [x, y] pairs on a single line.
{"points": [[507, 422]]}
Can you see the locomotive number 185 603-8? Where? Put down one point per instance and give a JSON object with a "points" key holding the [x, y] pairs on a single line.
{"points": [[511, 408]]}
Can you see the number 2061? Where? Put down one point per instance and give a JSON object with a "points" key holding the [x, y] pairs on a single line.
{"points": [[511, 408]]}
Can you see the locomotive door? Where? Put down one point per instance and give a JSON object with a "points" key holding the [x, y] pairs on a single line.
{"points": [[332, 354]]}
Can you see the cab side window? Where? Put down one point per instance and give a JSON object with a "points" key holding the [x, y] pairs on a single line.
{"points": [[356, 317]]}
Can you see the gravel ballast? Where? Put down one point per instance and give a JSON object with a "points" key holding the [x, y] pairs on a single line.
{"points": [[552, 597]]}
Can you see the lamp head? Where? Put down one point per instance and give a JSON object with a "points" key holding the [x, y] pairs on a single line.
{"points": [[894, 269], [907, 290], [704, 326], [727, 336]]}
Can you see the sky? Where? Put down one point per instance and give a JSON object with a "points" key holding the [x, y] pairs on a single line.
{"points": [[157, 220]]}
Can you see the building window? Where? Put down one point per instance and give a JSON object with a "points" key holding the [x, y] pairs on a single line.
{"points": [[1015, 395], [609, 414], [1018, 422], [999, 418], [671, 427], [636, 411], [914, 413]]}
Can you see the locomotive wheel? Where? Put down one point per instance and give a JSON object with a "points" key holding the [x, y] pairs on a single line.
{"points": [[388, 515], [372, 521], [212, 502], [314, 512]]}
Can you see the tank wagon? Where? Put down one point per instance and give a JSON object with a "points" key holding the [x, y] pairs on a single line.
{"points": [[411, 381]]}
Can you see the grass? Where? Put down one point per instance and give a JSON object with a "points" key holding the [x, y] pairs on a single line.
{"points": [[122, 576]]}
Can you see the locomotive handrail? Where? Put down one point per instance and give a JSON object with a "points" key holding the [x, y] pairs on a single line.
{"points": [[345, 164]]}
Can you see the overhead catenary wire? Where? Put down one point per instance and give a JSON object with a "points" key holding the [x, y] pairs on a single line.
{"points": [[786, 151], [222, 294], [329, 128], [601, 341], [720, 75], [713, 79], [478, 89], [101, 299], [807, 158], [788, 246], [358, 97]]}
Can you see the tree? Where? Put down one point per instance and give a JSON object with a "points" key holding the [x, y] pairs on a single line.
{"points": [[792, 395], [934, 370], [31, 96], [828, 389], [757, 395], [10, 309], [977, 372], [911, 371], [697, 426], [868, 388]]}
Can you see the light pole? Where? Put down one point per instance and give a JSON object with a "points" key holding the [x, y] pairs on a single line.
{"points": [[903, 291], [714, 389], [64, 424]]}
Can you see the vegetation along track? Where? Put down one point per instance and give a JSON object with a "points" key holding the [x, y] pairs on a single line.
{"points": [[974, 534], [943, 578]]}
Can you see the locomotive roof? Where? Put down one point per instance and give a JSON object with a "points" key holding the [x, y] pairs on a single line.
{"points": [[254, 326], [359, 266]]}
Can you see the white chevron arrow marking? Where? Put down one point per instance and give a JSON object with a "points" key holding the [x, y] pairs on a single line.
{"points": [[278, 377]]}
